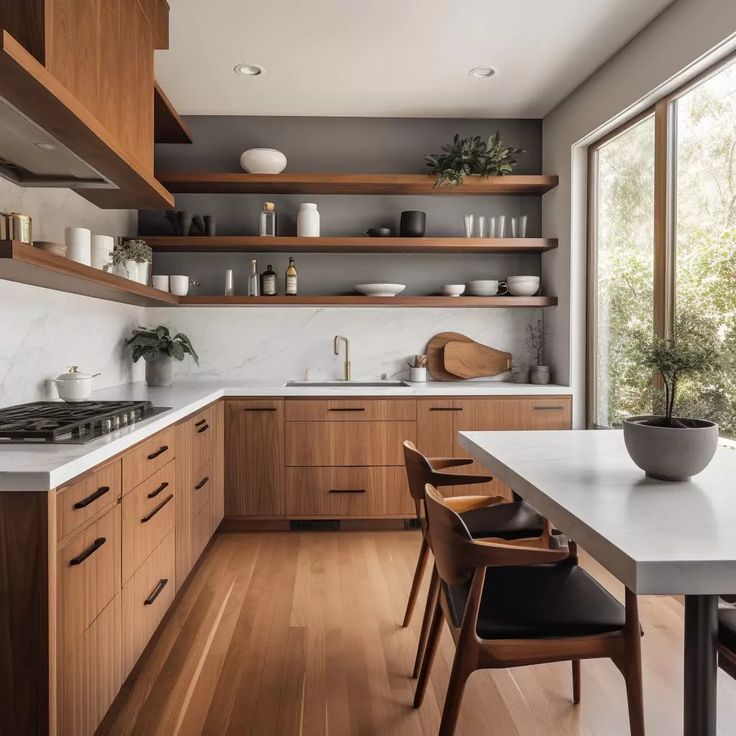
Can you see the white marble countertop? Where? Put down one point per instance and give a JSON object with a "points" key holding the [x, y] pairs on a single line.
{"points": [[657, 537], [37, 467]]}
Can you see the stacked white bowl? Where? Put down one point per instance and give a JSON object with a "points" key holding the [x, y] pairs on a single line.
{"points": [[523, 285], [102, 247]]}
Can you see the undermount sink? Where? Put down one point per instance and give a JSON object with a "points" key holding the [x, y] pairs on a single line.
{"points": [[345, 384]]}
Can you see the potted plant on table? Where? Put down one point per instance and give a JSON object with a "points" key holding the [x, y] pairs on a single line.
{"points": [[666, 446], [159, 349]]}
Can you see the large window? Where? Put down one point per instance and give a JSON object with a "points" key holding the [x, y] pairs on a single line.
{"points": [[663, 240]]}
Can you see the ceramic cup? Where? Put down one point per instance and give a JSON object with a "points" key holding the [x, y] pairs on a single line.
{"points": [[79, 244], [160, 282], [523, 285], [179, 285], [417, 375], [487, 287]]}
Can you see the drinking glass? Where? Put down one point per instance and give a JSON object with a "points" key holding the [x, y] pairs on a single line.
{"points": [[501, 226], [518, 227], [481, 226], [469, 226], [492, 226]]}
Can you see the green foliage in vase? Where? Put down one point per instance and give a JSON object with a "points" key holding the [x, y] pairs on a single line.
{"points": [[151, 343], [465, 156], [692, 351]]}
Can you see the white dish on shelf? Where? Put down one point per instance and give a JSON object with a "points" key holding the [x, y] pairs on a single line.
{"points": [[523, 285], [485, 287], [263, 161], [380, 289], [453, 289]]}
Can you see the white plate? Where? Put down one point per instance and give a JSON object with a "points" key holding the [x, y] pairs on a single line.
{"points": [[380, 289]]}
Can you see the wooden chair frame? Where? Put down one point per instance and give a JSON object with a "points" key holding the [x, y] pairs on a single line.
{"points": [[459, 558]]}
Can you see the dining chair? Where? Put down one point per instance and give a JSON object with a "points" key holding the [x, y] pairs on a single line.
{"points": [[507, 604], [484, 516], [727, 636]]}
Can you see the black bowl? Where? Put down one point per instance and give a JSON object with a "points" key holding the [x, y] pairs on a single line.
{"points": [[379, 232]]}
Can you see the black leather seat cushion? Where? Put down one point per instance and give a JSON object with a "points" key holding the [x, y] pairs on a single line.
{"points": [[506, 520], [540, 601], [727, 627]]}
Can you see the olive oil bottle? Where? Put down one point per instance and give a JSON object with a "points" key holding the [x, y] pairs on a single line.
{"points": [[291, 278]]}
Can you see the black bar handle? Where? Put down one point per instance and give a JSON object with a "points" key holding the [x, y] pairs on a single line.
{"points": [[445, 408], [346, 490], [548, 408], [101, 491], [80, 558], [158, 508], [202, 483], [160, 585], [200, 422], [203, 429], [349, 408], [162, 487], [161, 450], [261, 408]]}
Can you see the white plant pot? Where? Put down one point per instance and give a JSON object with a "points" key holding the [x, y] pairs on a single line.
{"points": [[143, 273], [540, 374]]}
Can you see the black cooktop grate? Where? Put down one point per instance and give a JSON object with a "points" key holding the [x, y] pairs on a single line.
{"points": [[54, 421]]}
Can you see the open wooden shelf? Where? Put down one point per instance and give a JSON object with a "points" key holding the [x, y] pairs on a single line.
{"points": [[354, 300], [254, 243], [28, 265], [308, 183]]}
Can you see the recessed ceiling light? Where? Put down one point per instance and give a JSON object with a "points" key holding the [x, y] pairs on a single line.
{"points": [[249, 70], [482, 72]]}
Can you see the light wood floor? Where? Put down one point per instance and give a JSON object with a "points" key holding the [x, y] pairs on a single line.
{"points": [[298, 633]]}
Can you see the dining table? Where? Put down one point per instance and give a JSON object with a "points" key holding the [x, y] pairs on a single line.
{"points": [[657, 537]]}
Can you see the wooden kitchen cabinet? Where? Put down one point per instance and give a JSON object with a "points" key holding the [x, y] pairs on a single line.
{"points": [[217, 491], [435, 427], [254, 458]]}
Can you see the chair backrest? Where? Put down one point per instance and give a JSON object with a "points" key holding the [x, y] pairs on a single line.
{"points": [[418, 471]]}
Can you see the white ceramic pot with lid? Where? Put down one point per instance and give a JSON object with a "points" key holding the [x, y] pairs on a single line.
{"points": [[73, 385]]}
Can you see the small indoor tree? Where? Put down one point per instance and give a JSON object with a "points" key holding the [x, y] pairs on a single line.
{"points": [[692, 351]]}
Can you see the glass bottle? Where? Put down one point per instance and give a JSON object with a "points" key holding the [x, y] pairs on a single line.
{"points": [[267, 225], [268, 281], [254, 285], [291, 278]]}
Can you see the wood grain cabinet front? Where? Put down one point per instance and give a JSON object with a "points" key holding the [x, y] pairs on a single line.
{"points": [[148, 457], [552, 413], [203, 427], [351, 410], [149, 514], [254, 458]]}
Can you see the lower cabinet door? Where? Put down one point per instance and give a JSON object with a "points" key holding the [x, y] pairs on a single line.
{"points": [[90, 673], [347, 492], [146, 598], [201, 531]]}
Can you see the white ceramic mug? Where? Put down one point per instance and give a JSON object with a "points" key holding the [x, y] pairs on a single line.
{"points": [[78, 244], [179, 285], [488, 287], [160, 282]]}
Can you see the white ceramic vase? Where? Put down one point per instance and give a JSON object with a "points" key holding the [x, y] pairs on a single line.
{"points": [[263, 161], [307, 221]]}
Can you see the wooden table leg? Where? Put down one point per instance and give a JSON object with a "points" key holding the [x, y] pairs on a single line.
{"points": [[701, 646]]}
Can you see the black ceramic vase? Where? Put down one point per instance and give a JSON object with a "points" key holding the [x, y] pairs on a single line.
{"points": [[412, 224]]}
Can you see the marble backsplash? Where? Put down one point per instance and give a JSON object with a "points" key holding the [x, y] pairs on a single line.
{"points": [[281, 343]]}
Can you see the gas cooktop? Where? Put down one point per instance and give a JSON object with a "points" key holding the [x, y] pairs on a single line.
{"points": [[70, 423]]}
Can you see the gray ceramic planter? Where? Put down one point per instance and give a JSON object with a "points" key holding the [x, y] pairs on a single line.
{"points": [[671, 453], [160, 372]]}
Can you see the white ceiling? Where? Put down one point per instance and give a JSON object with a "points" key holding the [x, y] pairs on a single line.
{"points": [[390, 58]]}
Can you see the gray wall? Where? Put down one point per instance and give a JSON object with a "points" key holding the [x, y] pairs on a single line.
{"points": [[380, 145]]}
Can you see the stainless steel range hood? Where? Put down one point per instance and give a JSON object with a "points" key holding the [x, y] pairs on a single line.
{"points": [[31, 157]]}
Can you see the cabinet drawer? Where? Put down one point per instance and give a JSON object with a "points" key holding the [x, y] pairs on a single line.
{"points": [[202, 427], [89, 572], [146, 598], [149, 513], [350, 410], [347, 443], [337, 492], [90, 673], [201, 485], [150, 456], [84, 499], [548, 413]]}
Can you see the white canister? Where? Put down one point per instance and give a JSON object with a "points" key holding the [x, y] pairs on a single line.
{"points": [[160, 282], [417, 375], [307, 221], [102, 247], [179, 285], [79, 244]]}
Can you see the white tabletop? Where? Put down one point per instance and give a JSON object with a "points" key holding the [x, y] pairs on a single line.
{"points": [[657, 537]]}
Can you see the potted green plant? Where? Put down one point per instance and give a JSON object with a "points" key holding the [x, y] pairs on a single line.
{"points": [[132, 259], [159, 349], [471, 156], [666, 446], [539, 372]]}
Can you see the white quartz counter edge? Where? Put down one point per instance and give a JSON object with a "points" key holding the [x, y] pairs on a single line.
{"points": [[44, 467]]}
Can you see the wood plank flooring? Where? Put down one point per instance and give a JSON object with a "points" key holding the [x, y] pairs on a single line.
{"points": [[299, 633]]}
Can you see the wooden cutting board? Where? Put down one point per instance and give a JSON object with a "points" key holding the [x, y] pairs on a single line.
{"points": [[473, 360], [435, 355]]}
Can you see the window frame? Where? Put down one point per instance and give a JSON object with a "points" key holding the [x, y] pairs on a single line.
{"points": [[665, 267]]}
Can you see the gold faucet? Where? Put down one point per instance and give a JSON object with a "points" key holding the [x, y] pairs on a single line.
{"points": [[336, 347]]}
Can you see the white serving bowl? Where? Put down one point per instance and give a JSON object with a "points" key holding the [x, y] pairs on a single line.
{"points": [[380, 289], [486, 287], [523, 285], [263, 161], [453, 289]]}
